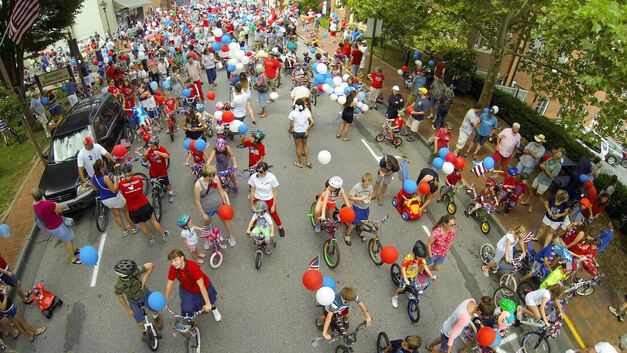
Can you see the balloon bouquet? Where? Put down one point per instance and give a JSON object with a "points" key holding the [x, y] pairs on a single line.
{"points": [[407, 201]]}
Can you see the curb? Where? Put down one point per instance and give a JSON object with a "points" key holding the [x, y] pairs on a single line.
{"points": [[19, 190]]}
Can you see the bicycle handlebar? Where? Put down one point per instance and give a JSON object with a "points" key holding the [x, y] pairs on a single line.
{"points": [[194, 315]]}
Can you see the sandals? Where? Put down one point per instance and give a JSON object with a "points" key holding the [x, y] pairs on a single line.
{"points": [[346, 139], [77, 261], [309, 165], [337, 136], [347, 240], [298, 165], [40, 330]]}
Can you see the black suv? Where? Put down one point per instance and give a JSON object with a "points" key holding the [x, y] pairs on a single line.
{"points": [[100, 117]]}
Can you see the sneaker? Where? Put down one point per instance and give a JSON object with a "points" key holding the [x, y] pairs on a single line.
{"points": [[151, 241], [281, 232], [318, 227], [125, 233], [395, 301], [165, 236], [232, 241], [171, 197], [136, 229], [486, 272], [216, 314]]}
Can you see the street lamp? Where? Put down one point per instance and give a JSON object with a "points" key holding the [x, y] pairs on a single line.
{"points": [[103, 6]]}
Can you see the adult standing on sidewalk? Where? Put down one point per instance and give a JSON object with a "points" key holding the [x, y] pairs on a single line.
{"points": [[437, 92], [453, 326], [444, 104], [363, 46], [507, 142], [487, 124], [531, 155], [418, 113], [356, 56], [37, 108], [395, 103], [71, 88], [549, 169], [193, 72], [468, 125], [376, 84], [49, 216]]}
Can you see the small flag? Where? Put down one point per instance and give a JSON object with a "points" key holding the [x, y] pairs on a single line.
{"points": [[479, 169], [315, 263]]}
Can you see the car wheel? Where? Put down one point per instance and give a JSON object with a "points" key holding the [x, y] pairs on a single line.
{"points": [[611, 160]]}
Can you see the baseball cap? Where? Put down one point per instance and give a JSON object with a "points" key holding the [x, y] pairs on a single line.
{"points": [[423, 90], [396, 88], [88, 140]]}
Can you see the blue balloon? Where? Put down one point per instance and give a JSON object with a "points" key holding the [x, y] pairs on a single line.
{"points": [[438, 162], [135, 47], [235, 79], [186, 144], [328, 281], [230, 68], [216, 46], [443, 152], [318, 79], [361, 96], [312, 50], [226, 39], [488, 163], [314, 66], [5, 231], [63, 88], [348, 90], [242, 129], [154, 85], [583, 177], [44, 100], [200, 145], [431, 62], [166, 84], [497, 341], [156, 301], [328, 81], [89, 255], [73, 62], [187, 92], [416, 55], [410, 186], [325, 34], [357, 110]]}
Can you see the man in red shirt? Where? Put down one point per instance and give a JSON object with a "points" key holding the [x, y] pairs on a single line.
{"points": [[346, 51], [376, 85], [158, 156], [442, 138], [272, 66], [356, 56]]}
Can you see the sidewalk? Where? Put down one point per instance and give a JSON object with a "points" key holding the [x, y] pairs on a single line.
{"points": [[590, 321]]}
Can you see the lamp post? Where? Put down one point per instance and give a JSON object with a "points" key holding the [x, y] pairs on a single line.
{"points": [[103, 6]]}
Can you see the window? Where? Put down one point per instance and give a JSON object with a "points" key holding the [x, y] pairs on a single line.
{"points": [[482, 44], [542, 104], [100, 128]]}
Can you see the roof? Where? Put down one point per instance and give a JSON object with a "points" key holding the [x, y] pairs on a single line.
{"points": [[80, 115]]}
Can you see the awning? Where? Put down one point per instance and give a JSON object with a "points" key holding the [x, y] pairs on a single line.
{"points": [[119, 5]]}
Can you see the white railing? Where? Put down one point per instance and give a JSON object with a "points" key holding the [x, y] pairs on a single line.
{"points": [[517, 92]]}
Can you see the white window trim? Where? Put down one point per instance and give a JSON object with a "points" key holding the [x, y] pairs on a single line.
{"points": [[481, 48], [546, 105]]}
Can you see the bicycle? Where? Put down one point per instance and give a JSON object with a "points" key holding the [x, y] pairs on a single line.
{"points": [[101, 215], [482, 214], [578, 286], [151, 332], [487, 253], [186, 326], [225, 179], [158, 189], [389, 133], [538, 340], [349, 338], [447, 195], [261, 246], [171, 125], [413, 291], [383, 342], [374, 244], [19, 139], [214, 240]]}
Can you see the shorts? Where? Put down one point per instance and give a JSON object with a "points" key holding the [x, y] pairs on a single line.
{"points": [[142, 214], [63, 233], [499, 158], [136, 305], [413, 124], [273, 83], [481, 140], [438, 260], [347, 118], [299, 135], [165, 181], [444, 343], [344, 312], [385, 180], [540, 188], [10, 312], [462, 139], [361, 214], [193, 302], [553, 224], [263, 99], [529, 301], [10, 280], [118, 201]]}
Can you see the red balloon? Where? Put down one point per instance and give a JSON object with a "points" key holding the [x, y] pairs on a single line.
{"points": [[225, 211], [389, 254], [459, 163], [312, 279], [110, 53], [211, 95], [410, 109], [486, 336], [225, 48], [405, 68], [218, 39], [347, 215], [228, 116], [450, 157], [95, 61], [159, 98], [424, 188], [320, 87], [250, 53], [588, 184], [123, 57], [119, 151]]}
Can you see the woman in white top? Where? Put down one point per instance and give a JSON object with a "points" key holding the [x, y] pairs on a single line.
{"points": [[239, 105], [505, 248], [264, 186], [300, 123], [537, 300], [208, 61]]}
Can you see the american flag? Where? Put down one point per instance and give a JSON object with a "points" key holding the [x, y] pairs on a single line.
{"points": [[315, 263], [23, 17]]}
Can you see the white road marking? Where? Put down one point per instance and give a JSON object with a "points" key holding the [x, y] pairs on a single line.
{"points": [[94, 275], [374, 154], [424, 227]]}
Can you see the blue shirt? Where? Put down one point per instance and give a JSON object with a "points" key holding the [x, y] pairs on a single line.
{"points": [[546, 252], [486, 125], [419, 81], [605, 237], [71, 88], [421, 105]]}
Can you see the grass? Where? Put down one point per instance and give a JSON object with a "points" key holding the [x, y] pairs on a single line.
{"points": [[15, 162]]}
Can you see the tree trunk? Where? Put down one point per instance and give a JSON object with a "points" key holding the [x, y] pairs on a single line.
{"points": [[498, 52]]}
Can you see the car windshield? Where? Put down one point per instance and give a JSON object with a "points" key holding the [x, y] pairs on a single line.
{"points": [[67, 146]]}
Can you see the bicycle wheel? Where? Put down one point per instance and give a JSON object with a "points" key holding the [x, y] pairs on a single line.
{"points": [[146, 181], [312, 209], [485, 227], [193, 343], [153, 339], [258, 258], [413, 310], [331, 253], [102, 216], [156, 204], [504, 293], [508, 280], [380, 137], [535, 342], [383, 341], [585, 290], [216, 259], [451, 208], [487, 253], [171, 131], [523, 289], [342, 349], [397, 141], [395, 273], [374, 249]]}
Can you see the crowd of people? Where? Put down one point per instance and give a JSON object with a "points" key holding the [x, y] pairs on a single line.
{"points": [[163, 71]]}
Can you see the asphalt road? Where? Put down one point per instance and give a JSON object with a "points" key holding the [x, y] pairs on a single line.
{"points": [[266, 310]]}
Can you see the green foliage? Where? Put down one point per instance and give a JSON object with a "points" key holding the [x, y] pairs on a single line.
{"points": [[461, 63], [10, 108], [310, 4], [617, 207]]}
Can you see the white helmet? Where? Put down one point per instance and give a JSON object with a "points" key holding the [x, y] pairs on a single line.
{"points": [[220, 129], [336, 182], [495, 109]]}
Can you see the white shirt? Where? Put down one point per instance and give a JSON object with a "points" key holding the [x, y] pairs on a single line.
{"points": [[300, 119], [238, 105], [536, 297], [263, 185], [189, 236], [86, 159], [265, 221], [503, 242], [604, 347]]}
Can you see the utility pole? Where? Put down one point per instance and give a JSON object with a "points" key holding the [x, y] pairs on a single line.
{"points": [[372, 43]]}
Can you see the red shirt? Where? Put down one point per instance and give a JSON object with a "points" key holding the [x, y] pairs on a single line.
{"points": [[112, 90], [133, 193], [158, 166], [198, 156], [129, 103], [170, 104], [454, 178], [272, 67], [377, 80], [3, 263], [356, 57], [444, 136], [346, 49], [189, 276], [255, 152], [111, 71]]}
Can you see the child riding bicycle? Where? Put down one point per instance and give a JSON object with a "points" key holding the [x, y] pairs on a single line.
{"points": [[414, 270], [261, 223]]}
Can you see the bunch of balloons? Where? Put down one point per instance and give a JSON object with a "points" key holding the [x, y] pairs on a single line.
{"points": [[194, 145], [448, 161]]}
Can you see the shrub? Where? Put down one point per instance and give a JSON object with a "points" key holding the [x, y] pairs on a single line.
{"points": [[460, 63], [10, 108], [618, 202]]}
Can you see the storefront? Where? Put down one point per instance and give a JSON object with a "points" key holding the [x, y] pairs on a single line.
{"points": [[128, 11]]}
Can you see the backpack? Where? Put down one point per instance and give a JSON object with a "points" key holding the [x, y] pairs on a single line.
{"points": [[261, 84]]}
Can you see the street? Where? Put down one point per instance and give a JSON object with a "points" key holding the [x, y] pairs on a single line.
{"points": [[266, 310]]}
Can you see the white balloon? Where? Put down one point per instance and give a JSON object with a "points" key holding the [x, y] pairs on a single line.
{"points": [[338, 90], [239, 67], [341, 99], [418, 63], [333, 96], [245, 60], [261, 52], [274, 95], [239, 54], [400, 72], [233, 46], [322, 68], [324, 157], [232, 61], [218, 115], [234, 126], [222, 54], [345, 77], [365, 108], [217, 32], [337, 80], [360, 104], [326, 87], [325, 296], [448, 168]]}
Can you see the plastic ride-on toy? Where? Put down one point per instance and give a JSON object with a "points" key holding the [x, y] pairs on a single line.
{"points": [[409, 209], [48, 300]]}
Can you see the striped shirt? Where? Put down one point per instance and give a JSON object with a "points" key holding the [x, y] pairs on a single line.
{"points": [[3, 126]]}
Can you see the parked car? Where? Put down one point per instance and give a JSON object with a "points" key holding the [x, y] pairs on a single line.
{"points": [[613, 152], [100, 117]]}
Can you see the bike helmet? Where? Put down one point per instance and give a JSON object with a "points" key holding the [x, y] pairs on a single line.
{"points": [[420, 249], [513, 171], [220, 129], [182, 221], [260, 206], [258, 134], [125, 268], [507, 305], [220, 145], [200, 107], [154, 141], [336, 182], [183, 325]]}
